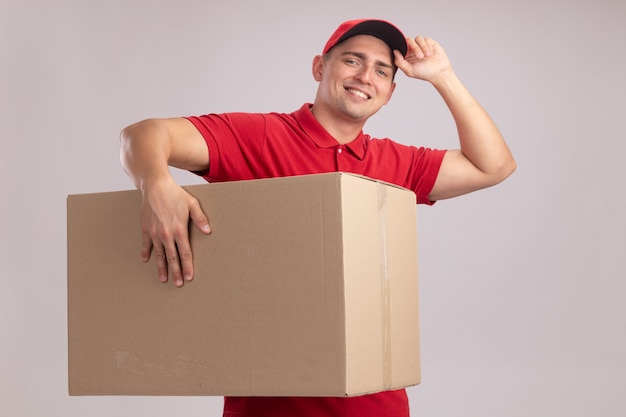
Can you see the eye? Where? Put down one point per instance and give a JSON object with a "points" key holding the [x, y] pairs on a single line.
{"points": [[382, 72]]}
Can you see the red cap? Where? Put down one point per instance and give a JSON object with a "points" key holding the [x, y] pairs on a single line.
{"points": [[381, 29]]}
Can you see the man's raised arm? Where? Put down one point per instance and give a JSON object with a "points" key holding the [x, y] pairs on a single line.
{"points": [[484, 158]]}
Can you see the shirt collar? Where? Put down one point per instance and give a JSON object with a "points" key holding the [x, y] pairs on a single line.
{"points": [[321, 137]]}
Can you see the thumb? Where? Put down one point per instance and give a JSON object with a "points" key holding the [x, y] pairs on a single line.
{"points": [[200, 220], [400, 61]]}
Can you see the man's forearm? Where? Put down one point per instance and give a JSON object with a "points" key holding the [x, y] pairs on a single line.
{"points": [[480, 140]]}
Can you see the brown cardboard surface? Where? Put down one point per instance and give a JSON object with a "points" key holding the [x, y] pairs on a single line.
{"points": [[307, 286]]}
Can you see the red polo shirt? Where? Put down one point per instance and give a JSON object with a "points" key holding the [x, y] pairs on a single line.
{"points": [[251, 146]]}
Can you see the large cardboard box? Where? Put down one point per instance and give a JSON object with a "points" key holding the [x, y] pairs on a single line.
{"points": [[306, 287]]}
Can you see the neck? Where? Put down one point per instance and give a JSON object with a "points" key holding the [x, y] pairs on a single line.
{"points": [[343, 130]]}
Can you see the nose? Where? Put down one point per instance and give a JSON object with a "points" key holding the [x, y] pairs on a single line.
{"points": [[364, 74]]}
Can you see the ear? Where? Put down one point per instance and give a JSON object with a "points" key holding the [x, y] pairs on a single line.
{"points": [[318, 67]]}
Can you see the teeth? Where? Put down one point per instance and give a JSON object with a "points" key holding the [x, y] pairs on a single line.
{"points": [[358, 93]]}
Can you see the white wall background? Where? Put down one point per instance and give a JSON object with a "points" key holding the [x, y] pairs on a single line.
{"points": [[522, 285]]}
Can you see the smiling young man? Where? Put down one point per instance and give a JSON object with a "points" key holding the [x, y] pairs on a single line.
{"points": [[355, 73]]}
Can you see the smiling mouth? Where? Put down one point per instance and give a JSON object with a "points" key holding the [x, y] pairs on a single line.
{"points": [[358, 93]]}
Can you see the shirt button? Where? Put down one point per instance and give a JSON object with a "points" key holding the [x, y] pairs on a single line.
{"points": [[340, 150]]}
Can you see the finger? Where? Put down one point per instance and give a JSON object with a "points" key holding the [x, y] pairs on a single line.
{"points": [[425, 44], [432, 45], [186, 258], [159, 256], [401, 61], [198, 217], [173, 263], [180, 259], [146, 247], [161, 262], [414, 46]]}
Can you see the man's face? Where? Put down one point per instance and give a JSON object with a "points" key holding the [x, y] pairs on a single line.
{"points": [[356, 78]]}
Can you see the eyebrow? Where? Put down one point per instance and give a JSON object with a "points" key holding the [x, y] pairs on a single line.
{"points": [[362, 56]]}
